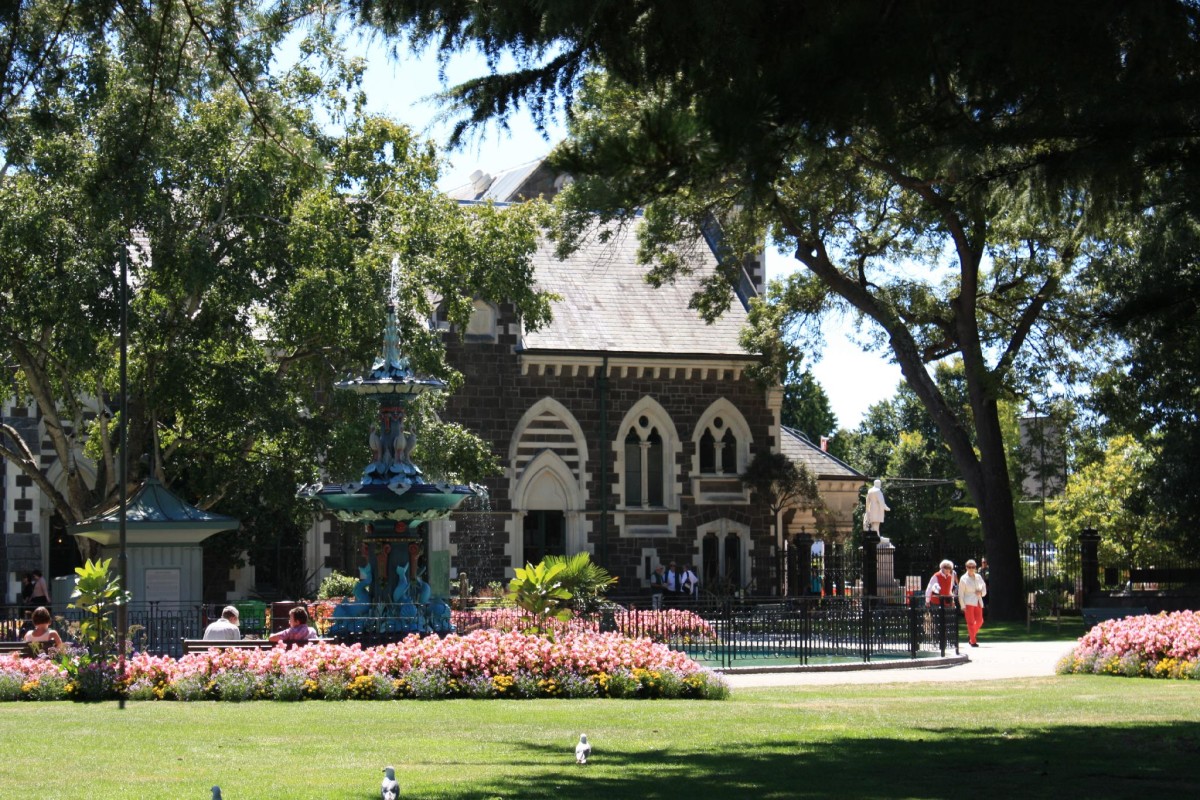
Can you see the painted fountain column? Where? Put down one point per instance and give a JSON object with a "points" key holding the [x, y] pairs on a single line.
{"points": [[395, 592]]}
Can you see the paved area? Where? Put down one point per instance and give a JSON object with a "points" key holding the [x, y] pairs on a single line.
{"points": [[987, 662]]}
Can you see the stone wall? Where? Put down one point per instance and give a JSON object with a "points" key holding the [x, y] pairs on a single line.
{"points": [[498, 392]]}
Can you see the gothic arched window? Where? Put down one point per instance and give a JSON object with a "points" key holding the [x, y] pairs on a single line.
{"points": [[645, 467]]}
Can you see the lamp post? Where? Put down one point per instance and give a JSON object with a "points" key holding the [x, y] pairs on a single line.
{"points": [[122, 469], [1041, 434]]}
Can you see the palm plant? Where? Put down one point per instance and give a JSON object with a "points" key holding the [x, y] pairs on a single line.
{"points": [[538, 590], [584, 579]]}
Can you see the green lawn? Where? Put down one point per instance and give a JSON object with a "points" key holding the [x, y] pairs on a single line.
{"points": [[1067, 628], [1067, 737]]}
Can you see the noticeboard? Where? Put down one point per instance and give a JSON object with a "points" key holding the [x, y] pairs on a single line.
{"points": [[161, 585]]}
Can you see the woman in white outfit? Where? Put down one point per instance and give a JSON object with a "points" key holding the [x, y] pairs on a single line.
{"points": [[971, 591]]}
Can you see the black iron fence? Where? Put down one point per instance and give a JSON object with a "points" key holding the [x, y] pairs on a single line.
{"points": [[901, 572], [748, 631], [799, 630], [157, 628]]}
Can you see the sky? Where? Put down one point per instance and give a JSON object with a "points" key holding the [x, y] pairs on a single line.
{"points": [[853, 379]]}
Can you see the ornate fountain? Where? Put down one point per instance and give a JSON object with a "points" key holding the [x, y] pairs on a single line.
{"points": [[402, 585]]}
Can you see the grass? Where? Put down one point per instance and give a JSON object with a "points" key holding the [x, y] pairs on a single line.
{"points": [[1067, 629], [1069, 736]]}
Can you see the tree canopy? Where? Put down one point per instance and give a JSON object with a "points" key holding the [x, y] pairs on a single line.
{"points": [[1151, 387], [1109, 496], [266, 219], [806, 406], [943, 170]]}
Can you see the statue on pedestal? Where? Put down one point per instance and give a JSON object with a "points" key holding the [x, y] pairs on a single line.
{"points": [[876, 506]]}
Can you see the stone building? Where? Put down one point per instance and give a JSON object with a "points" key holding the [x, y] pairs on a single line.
{"points": [[624, 424], [32, 534]]}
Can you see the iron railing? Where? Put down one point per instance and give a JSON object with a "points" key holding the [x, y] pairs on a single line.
{"points": [[800, 630], [747, 631], [157, 628]]}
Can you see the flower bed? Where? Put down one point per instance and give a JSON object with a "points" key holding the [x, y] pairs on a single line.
{"points": [[1151, 646], [482, 664], [663, 625]]}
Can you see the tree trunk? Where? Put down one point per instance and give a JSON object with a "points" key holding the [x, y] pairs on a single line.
{"points": [[984, 467], [1006, 583]]}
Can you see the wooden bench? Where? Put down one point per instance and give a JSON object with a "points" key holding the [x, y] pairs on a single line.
{"points": [[14, 647], [1094, 616], [1173, 575], [22, 649], [203, 645]]}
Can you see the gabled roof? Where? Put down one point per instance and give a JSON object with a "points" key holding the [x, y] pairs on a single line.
{"points": [[608, 306], [796, 446], [525, 182]]}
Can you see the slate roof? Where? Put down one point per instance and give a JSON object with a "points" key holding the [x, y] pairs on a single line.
{"points": [[800, 450], [524, 182], [607, 305]]}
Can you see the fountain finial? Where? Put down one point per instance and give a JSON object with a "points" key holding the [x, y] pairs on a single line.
{"points": [[391, 373]]}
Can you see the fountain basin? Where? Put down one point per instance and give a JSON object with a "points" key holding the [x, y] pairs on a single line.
{"points": [[413, 502]]}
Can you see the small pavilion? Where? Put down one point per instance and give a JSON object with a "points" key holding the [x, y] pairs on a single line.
{"points": [[162, 536]]}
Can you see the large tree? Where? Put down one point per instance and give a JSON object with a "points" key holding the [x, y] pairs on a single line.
{"points": [[1152, 387], [941, 169], [805, 406], [1109, 495], [265, 219]]}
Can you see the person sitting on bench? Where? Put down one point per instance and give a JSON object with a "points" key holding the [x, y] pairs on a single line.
{"points": [[225, 628], [298, 631], [42, 634]]}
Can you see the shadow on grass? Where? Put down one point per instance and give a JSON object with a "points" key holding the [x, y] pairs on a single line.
{"points": [[1062, 762]]}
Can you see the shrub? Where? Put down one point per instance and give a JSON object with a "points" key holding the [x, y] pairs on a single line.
{"points": [[430, 684], [332, 687], [525, 685], [11, 682], [92, 680], [289, 686], [478, 687], [236, 686], [48, 686], [336, 585], [577, 686], [622, 683], [191, 688], [483, 664], [143, 689]]}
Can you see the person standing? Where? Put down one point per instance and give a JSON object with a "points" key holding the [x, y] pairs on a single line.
{"points": [[658, 580], [674, 583], [226, 627], [942, 586], [39, 594], [972, 588], [26, 589], [689, 583]]}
